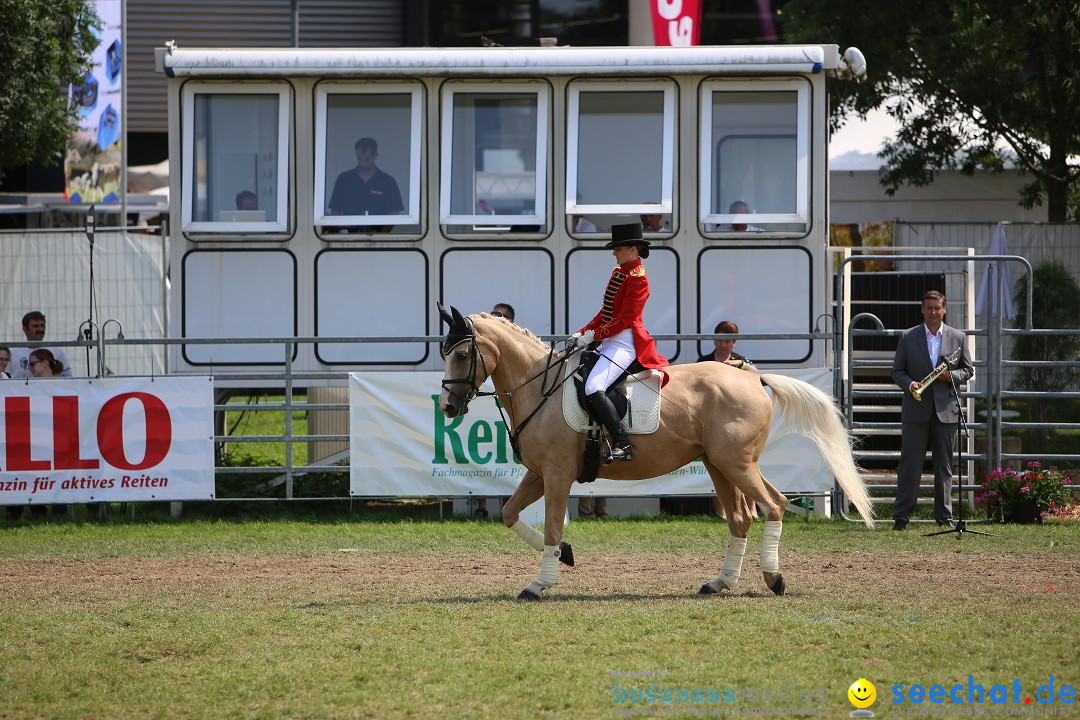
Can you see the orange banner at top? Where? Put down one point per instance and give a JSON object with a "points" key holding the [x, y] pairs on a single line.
{"points": [[676, 23]]}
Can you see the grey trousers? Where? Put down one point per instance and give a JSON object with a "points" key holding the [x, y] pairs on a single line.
{"points": [[916, 439]]}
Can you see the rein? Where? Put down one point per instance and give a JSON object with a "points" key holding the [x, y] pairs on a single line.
{"points": [[474, 390]]}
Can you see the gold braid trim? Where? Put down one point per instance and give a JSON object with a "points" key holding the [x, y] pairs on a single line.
{"points": [[617, 279]]}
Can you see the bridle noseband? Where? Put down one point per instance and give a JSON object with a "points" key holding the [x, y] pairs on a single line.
{"points": [[449, 383], [462, 331]]}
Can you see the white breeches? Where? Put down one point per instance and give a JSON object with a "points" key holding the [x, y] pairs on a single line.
{"points": [[616, 354]]}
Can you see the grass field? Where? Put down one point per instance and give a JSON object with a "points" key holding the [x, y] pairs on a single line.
{"points": [[415, 619]]}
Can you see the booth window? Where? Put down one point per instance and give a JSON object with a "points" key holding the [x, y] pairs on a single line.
{"points": [[495, 157], [620, 155], [368, 159], [236, 158], [755, 161]]}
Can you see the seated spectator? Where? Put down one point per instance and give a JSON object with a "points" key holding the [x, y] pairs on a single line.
{"points": [[246, 200], [503, 310], [33, 324], [655, 223], [739, 207], [724, 349], [42, 364]]}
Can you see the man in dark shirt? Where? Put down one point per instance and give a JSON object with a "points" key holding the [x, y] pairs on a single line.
{"points": [[365, 190]]}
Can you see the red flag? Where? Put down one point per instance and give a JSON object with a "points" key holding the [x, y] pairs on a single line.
{"points": [[676, 22]]}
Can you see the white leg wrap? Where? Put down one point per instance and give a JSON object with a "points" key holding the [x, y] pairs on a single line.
{"points": [[532, 537], [770, 546], [549, 567], [733, 560]]}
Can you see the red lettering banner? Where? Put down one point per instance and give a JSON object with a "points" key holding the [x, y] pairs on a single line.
{"points": [[676, 23], [109, 440]]}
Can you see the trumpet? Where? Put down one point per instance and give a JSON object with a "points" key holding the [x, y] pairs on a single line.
{"points": [[937, 372]]}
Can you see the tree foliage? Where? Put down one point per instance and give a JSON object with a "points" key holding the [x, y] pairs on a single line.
{"points": [[963, 79], [44, 48], [1055, 298]]}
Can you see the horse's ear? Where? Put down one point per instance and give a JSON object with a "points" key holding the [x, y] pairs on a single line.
{"points": [[445, 316], [459, 321]]}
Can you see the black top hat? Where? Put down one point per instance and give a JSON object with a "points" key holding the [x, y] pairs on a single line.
{"points": [[629, 234]]}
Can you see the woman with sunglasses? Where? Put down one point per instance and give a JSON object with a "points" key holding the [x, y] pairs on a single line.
{"points": [[43, 365]]}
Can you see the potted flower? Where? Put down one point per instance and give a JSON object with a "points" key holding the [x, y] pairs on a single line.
{"points": [[1025, 496]]}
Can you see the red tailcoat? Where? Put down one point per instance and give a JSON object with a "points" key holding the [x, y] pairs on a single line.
{"points": [[624, 300]]}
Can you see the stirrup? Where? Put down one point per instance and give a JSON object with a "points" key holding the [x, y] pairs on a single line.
{"points": [[622, 451]]}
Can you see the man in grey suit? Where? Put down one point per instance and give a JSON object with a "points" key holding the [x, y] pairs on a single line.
{"points": [[932, 422]]}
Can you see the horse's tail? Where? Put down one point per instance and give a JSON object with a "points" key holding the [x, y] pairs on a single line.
{"points": [[813, 414]]}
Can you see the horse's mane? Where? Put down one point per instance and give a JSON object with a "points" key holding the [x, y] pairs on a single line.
{"points": [[524, 331]]}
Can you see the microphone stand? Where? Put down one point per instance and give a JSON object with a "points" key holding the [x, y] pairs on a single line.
{"points": [[88, 333], [961, 525]]}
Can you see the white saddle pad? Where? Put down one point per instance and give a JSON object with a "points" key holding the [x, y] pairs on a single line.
{"points": [[642, 397]]}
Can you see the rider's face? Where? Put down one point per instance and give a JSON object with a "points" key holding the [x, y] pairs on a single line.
{"points": [[625, 253]]}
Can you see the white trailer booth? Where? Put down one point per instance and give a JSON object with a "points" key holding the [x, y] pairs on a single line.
{"points": [[511, 165]]}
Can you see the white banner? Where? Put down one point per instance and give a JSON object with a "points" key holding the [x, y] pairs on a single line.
{"points": [[106, 440], [403, 446]]}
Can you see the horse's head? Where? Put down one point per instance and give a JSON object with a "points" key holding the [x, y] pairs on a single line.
{"points": [[465, 365]]}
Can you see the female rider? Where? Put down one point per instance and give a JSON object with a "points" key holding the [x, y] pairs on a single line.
{"points": [[619, 328]]}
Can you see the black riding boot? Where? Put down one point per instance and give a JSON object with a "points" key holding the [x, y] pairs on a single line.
{"points": [[605, 412]]}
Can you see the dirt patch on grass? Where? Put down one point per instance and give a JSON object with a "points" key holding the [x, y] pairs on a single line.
{"points": [[412, 578]]}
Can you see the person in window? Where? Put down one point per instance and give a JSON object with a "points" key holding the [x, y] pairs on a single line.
{"points": [[739, 207], [583, 225], [624, 343], [246, 200], [654, 222], [366, 190], [724, 351]]}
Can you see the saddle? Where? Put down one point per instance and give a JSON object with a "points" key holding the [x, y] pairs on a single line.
{"points": [[636, 396]]}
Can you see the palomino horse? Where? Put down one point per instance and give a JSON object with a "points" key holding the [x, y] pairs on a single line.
{"points": [[710, 410]]}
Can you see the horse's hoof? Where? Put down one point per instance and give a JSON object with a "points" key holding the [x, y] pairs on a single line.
{"points": [[528, 595], [566, 554], [707, 589], [775, 583]]}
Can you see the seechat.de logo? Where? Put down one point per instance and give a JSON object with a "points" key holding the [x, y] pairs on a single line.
{"points": [[862, 695]]}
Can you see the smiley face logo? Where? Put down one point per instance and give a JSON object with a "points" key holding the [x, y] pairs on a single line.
{"points": [[862, 693]]}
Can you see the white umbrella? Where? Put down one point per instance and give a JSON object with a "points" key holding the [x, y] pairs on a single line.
{"points": [[996, 297]]}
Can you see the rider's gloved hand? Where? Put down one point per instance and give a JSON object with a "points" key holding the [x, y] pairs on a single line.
{"points": [[580, 340]]}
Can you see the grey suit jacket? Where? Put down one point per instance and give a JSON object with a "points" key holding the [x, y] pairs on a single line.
{"points": [[912, 363]]}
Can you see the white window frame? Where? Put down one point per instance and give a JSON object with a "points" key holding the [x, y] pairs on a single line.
{"points": [[802, 152], [666, 204], [284, 93], [542, 91], [412, 211]]}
